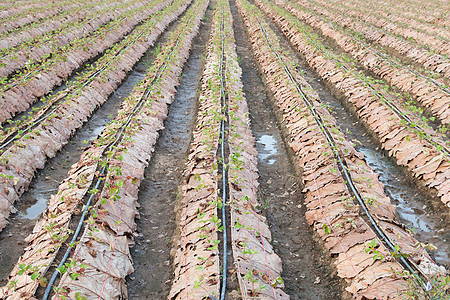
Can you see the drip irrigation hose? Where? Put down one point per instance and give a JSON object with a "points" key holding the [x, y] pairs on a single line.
{"points": [[224, 187], [31, 73], [439, 85], [88, 203], [103, 172], [396, 35], [383, 56], [64, 27], [343, 166], [74, 238], [389, 103], [8, 141]]}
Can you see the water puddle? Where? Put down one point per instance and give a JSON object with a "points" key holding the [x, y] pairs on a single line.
{"points": [[270, 150], [46, 182], [34, 201], [412, 212], [34, 211]]}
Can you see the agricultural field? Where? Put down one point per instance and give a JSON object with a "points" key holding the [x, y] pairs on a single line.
{"points": [[224, 149]]}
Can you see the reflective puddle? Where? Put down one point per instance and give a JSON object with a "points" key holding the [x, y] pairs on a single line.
{"points": [[410, 209], [268, 153]]}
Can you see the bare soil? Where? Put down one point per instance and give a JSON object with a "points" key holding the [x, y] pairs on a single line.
{"points": [[306, 270], [34, 201], [421, 212], [151, 254], [307, 267]]}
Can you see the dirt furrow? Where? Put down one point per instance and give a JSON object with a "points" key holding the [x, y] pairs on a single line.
{"points": [[51, 25], [405, 50], [257, 266], [34, 201], [38, 48], [224, 149], [422, 39], [306, 271], [27, 15], [48, 137], [113, 220], [16, 7], [152, 276], [415, 208], [352, 195], [429, 95], [392, 13], [425, 157], [214, 199], [429, 16], [41, 78], [431, 11]]}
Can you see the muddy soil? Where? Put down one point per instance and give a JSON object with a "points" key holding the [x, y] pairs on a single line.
{"points": [[34, 201], [416, 209], [80, 71], [306, 268], [151, 254], [380, 83], [413, 206], [40, 103]]}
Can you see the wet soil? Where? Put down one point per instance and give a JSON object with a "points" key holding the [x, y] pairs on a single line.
{"points": [[40, 102], [153, 274], [73, 76], [415, 208], [34, 201], [402, 59], [142, 66], [400, 99], [306, 270]]}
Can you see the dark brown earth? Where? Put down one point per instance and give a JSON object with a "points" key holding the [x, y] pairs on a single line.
{"points": [[306, 270], [422, 213], [34, 201], [151, 254], [419, 211]]}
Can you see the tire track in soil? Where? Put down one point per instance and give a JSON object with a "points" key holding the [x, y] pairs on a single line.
{"points": [[306, 269], [45, 183], [427, 216], [151, 254]]}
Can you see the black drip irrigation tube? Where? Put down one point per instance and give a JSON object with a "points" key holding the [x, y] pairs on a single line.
{"points": [[222, 150], [383, 56], [405, 262], [385, 32], [28, 75], [65, 27], [439, 85], [389, 103], [102, 174], [9, 139]]}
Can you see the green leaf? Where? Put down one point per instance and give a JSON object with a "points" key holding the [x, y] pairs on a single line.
{"points": [[34, 276]]}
